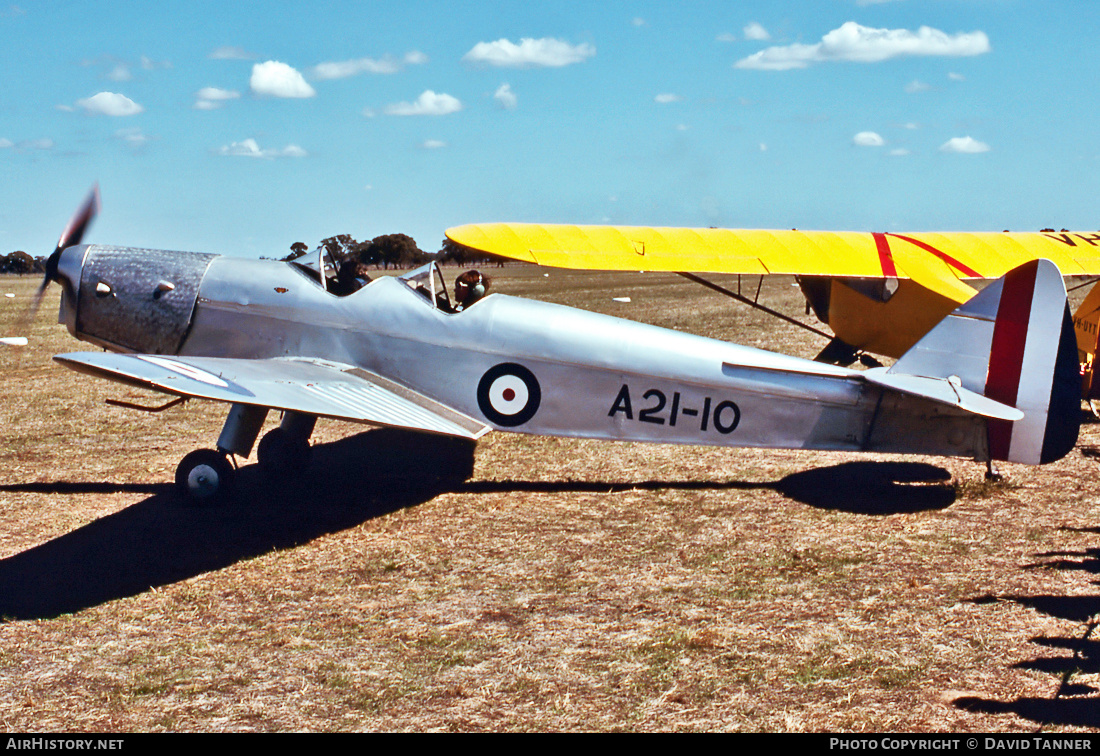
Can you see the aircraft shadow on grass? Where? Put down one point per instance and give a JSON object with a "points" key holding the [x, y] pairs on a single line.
{"points": [[161, 540], [1074, 703]]}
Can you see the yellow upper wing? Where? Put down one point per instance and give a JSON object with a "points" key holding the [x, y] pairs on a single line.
{"points": [[717, 250]]}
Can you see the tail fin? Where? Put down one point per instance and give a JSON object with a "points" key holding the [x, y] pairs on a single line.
{"points": [[1014, 343]]}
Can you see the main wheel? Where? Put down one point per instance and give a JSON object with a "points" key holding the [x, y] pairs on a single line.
{"points": [[282, 455], [205, 477]]}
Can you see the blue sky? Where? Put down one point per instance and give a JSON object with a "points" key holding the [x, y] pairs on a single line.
{"points": [[241, 128]]}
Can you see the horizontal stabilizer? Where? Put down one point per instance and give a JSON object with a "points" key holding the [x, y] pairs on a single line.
{"points": [[945, 390], [313, 387]]}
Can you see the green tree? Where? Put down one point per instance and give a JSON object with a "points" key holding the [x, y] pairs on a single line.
{"points": [[391, 251], [339, 247], [17, 262], [297, 249], [459, 254]]}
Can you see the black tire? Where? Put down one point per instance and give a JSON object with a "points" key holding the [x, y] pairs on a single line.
{"points": [[281, 455], [205, 477]]}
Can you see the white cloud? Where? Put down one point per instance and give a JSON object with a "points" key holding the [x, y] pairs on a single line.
{"points": [[899, 152], [346, 68], [228, 52], [506, 97], [214, 93], [666, 97], [415, 58], [861, 44], [916, 86], [6, 143], [637, 21], [956, 76], [433, 144], [148, 64], [429, 103], [279, 80], [757, 32], [964, 144], [110, 104], [548, 52], [868, 139], [121, 72], [35, 144], [726, 37], [250, 148], [210, 98], [134, 137]]}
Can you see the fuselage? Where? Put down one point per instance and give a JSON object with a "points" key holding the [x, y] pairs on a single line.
{"points": [[515, 364]]}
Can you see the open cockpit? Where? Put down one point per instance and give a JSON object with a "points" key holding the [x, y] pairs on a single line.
{"points": [[470, 287], [427, 281]]}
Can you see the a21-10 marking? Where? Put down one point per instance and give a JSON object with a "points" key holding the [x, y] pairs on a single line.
{"points": [[655, 407]]}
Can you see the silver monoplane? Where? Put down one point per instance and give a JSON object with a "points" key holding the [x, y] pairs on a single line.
{"points": [[996, 380]]}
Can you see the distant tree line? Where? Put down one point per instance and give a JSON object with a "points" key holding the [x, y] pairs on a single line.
{"points": [[389, 251], [22, 263], [386, 251]]}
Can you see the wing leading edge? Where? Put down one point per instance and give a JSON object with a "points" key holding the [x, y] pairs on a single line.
{"points": [[314, 387]]}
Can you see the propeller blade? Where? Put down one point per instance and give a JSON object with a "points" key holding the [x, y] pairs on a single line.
{"points": [[80, 221], [73, 233]]}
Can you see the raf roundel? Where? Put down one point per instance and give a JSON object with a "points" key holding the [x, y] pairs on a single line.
{"points": [[509, 394]]}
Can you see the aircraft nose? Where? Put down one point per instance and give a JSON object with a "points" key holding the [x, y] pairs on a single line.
{"points": [[70, 264]]}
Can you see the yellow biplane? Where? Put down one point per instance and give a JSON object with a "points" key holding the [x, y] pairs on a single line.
{"points": [[878, 292]]}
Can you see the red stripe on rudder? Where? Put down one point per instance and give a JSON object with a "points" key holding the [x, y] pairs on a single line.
{"points": [[1006, 355]]}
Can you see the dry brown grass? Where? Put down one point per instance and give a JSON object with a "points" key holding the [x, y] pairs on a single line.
{"points": [[567, 585]]}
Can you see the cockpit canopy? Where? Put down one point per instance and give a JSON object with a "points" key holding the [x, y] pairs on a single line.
{"points": [[340, 280], [427, 280]]}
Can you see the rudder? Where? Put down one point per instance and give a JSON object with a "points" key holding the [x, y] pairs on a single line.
{"points": [[1033, 367], [1014, 343]]}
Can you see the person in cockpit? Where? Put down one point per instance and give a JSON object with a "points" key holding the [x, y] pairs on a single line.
{"points": [[469, 288], [352, 276]]}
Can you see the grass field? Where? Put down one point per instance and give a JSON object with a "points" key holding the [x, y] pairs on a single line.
{"points": [[566, 585]]}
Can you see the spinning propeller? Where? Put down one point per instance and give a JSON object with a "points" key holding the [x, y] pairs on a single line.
{"points": [[73, 233]]}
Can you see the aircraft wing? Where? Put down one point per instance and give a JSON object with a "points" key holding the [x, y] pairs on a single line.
{"points": [[315, 387], [921, 256]]}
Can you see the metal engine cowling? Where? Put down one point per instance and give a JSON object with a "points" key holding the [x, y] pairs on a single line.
{"points": [[133, 299]]}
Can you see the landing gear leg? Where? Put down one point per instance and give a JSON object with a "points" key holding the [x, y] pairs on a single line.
{"points": [[991, 472], [285, 450]]}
